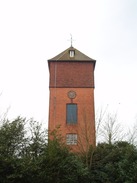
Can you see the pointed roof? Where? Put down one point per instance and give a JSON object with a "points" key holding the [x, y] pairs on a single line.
{"points": [[65, 56]]}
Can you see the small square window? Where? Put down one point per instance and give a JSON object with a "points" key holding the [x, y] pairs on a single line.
{"points": [[71, 139]]}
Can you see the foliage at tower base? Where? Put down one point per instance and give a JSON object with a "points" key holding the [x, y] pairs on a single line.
{"points": [[26, 156]]}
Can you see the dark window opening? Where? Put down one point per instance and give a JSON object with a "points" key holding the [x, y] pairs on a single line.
{"points": [[71, 113]]}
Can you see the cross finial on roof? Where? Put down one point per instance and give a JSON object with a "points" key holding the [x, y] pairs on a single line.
{"points": [[71, 40]]}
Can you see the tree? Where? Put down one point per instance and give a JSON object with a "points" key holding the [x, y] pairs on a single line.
{"points": [[114, 163], [108, 129], [12, 142], [60, 164], [27, 156], [132, 134]]}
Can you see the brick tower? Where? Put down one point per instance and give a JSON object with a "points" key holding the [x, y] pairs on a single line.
{"points": [[71, 104]]}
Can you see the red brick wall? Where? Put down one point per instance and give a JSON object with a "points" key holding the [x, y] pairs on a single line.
{"points": [[85, 128], [71, 74]]}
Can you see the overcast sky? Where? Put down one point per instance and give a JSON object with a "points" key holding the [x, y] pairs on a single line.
{"points": [[33, 31]]}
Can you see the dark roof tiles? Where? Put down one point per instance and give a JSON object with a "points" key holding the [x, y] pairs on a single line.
{"points": [[65, 56]]}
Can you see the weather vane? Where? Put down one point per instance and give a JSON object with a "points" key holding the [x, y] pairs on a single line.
{"points": [[71, 40]]}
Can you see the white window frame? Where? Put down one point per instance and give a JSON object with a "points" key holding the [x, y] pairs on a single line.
{"points": [[71, 53], [71, 139]]}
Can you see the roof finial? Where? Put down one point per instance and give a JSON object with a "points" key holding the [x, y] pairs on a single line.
{"points": [[71, 39]]}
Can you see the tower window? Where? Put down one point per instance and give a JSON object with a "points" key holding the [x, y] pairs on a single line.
{"points": [[71, 139], [71, 53], [71, 113]]}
